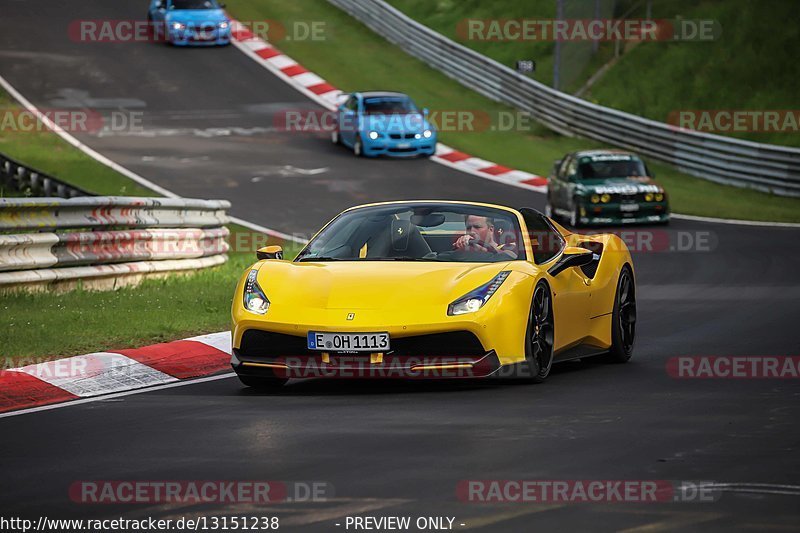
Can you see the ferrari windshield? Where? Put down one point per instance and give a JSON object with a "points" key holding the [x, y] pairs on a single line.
{"points": [[610, 166], [419, 232]]}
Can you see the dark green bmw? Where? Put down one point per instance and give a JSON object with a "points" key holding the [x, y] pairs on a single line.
{"points": [[602, 187]]}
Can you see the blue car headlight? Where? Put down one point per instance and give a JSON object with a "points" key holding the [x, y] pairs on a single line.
{"points": [[223, 25], [373, 135], [474, 300], [178, 26], [427, 134], [255, 300]]}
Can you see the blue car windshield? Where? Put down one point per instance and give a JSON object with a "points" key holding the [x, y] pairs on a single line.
{"points": [[194, 4], [388, 106]]}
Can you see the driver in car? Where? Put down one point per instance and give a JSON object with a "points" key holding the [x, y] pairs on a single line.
{"points": [[479, 237]]}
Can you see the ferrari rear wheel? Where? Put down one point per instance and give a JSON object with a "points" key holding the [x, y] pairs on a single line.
{"points": [[262, 383], [540, 334], [623, 319]]}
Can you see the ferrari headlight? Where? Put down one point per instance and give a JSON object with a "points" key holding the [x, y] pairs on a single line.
{"points": [[474, 300], [255, 300], [373, 135], [595, 198], [178, 26], [605, 198], [427, 134], [659, 197], [648, 197]]}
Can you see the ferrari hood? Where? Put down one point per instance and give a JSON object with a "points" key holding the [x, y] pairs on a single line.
{"points": [[631, 185], [371, 284]]}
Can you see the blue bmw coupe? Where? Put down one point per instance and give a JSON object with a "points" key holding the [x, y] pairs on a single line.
{"points": [[190, 22], [384, 123]]}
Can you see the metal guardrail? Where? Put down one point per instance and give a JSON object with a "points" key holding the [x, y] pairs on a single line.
{"points": [[765, 167], [110, 212], [43, 250], [23, 179], [126, 237]]}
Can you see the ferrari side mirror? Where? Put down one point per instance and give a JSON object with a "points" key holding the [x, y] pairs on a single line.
{"points": [[270, 252], [572, 257]]}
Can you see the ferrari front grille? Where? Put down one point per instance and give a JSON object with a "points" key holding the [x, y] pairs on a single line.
{"points": [[261, 345]]}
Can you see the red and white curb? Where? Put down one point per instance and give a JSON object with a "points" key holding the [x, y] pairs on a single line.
{"points": [[326, 95], [104, 373]]}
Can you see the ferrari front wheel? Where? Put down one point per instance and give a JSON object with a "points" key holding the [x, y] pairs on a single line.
{"points": [[623, 318], [540, 335], [262, 383]]}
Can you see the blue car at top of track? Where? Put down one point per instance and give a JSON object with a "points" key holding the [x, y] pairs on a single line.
{"points": [[190, 22], [383, 123]]}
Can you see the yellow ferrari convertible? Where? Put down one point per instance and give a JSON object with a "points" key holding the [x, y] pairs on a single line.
{"points": [[434, 289]]}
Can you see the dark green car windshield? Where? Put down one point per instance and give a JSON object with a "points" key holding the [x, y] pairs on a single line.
{"points": [[594, 168]]}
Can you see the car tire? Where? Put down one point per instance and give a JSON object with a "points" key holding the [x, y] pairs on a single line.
{"points": [[262, 383], [358, 146], [574, 219], [539, 335], [623, 319], [152, 33], [548, 210]]}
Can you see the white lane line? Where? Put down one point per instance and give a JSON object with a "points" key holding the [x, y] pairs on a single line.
{"points": [[97, 374], [82, 147], [737, 222], [115, 395], [275, 233]]}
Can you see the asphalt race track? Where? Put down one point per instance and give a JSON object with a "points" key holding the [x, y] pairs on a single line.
{"points": [[397, 448]]}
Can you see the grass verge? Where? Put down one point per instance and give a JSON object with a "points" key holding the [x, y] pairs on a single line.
{"points": [[749, 65], [45, 151], [44, 326], [352, 57]]}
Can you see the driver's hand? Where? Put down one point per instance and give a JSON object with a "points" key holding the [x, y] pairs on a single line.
{"points": [[462, 242]]}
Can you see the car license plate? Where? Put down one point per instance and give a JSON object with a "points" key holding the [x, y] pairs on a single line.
{"points": [[348, 342], [404, 145], [629, 207]]}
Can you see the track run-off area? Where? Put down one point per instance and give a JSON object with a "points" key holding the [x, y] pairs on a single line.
{"points": [[400, 448]]}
